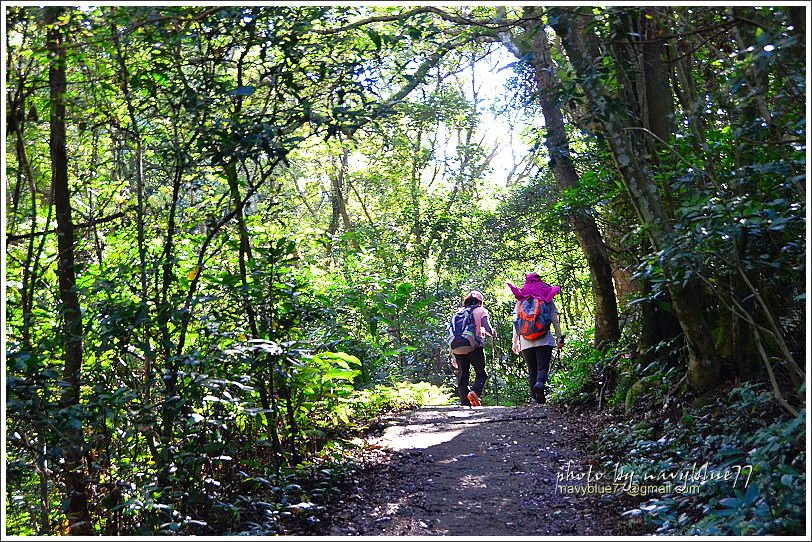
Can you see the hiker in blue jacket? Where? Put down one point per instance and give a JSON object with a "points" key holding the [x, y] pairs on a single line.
{"points": [[537, 352], [476, 357]]}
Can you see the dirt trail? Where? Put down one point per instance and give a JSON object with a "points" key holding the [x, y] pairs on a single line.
{"points": [[485, 471]]}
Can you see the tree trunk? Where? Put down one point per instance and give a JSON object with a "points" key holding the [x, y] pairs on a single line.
{"points": [[32, 257], [165, 310], [638, 179], [245, 246], [659, 100], [75, 482], [607, 328], [339, 201], [657, 108], [657, 324]]}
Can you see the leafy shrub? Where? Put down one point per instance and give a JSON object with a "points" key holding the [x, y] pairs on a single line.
{"points": [[584, 373], [742, 433], [572, 376]]}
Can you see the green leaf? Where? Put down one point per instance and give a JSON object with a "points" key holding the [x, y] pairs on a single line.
{"points": [[340, 374], [751, 495]]}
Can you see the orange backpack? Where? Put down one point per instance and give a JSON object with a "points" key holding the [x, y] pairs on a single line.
{"points": [[534, 318]]}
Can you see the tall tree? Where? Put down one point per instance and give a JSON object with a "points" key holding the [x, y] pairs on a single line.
{"points": [[638, 47], [638, 178], [70, 311], [533, 42]]}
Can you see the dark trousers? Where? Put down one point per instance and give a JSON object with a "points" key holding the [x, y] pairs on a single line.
{"points": [[475, 358], [538, 363]]}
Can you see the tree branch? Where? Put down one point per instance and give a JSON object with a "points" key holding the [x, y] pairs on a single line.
{"points": [[13, 238], [489, 24], [201, 15]]}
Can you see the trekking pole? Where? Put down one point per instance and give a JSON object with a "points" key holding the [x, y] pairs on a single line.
{"points": [[493, 364], [557, 354]]}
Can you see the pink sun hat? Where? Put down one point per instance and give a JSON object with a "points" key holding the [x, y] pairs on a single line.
{"points": [[535, 287]]}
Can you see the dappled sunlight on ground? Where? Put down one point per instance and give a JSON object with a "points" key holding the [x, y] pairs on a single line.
{"points": [[495, 468], [419, 429]]}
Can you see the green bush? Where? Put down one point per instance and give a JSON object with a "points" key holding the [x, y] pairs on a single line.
{"points": [[743, 432], [572, 371]]}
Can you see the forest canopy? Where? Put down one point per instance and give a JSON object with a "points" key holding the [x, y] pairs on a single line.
{"points": [[235, 233]]}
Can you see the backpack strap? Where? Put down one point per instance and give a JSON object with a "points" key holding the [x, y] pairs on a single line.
{"points": [[477, 321]]}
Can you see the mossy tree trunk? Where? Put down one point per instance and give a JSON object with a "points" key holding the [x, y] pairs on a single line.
{"points": [[638, 179], [590, 240]]}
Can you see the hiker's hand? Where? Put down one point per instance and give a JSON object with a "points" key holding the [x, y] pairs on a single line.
{"points": [[560, 343], [516, 348]]}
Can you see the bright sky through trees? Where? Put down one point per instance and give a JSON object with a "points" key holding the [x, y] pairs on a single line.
{"points": [[492, 74], [235, 234]]}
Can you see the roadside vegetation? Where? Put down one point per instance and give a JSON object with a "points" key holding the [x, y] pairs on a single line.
{"points": [[234, 236]]}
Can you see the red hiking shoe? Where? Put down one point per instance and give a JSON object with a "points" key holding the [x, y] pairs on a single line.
{"points": [[474, 398]]}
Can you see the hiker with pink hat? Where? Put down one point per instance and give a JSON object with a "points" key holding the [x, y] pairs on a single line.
{"points": [[466, 338], [533, 315]]}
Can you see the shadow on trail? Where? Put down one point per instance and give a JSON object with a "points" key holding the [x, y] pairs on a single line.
{"points": [[478, 471]]}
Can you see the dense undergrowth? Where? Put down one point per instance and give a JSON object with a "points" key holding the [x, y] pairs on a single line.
{"points": [[225, 482], [229, 226], [731, 463], [742, 455]]}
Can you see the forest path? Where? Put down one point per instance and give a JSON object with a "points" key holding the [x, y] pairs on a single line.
{"points": [[482, 471]]}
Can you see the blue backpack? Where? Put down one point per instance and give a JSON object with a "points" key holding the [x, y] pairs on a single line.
{"points": [[462, 331]]}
